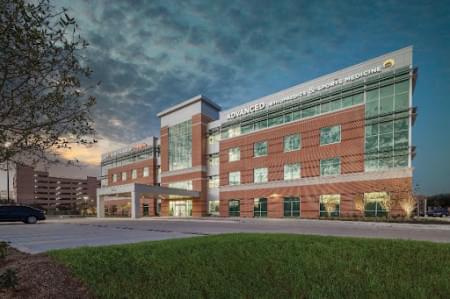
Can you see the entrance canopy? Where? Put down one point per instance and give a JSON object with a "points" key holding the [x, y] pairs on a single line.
{"points": [[136, 191]]}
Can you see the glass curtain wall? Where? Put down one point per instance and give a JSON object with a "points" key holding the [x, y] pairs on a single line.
{"points": [[180, 146], [387, 126]]}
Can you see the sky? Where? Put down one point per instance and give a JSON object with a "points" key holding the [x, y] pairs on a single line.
{"points": [[150, 55]]}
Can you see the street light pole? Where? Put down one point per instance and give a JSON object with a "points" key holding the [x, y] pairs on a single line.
{"points": [[7, 180], [7, 145]]}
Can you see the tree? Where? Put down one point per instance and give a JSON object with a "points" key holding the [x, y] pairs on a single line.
{"points": [[43, 105], [408, 204]]}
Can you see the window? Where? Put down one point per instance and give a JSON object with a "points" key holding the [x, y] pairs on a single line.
{"points": [[330, 166], [185, 185], [291, 207], [124, 176], [291, 142], [213, 181], [231, 132], [376, 204], [292, 171], [234, 209], [260, 149], [180, 146], [146, 171], [114, 177], [260, 207], [329, 205], [213, 160], [260, 175], [214, 137], [330, 135], [213, 207], [234, 178], [234, 154], [134, 174]]}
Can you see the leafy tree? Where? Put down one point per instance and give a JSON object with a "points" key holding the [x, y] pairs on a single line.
{"points": [[43, 103]]}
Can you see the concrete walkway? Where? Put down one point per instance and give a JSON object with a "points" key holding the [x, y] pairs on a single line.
{"points": [[76, 232]]}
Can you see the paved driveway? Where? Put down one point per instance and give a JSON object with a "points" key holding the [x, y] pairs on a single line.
{"points": [[67, 233]]}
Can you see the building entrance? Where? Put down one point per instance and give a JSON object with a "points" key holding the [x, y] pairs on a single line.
{"points": [[180, 208]]}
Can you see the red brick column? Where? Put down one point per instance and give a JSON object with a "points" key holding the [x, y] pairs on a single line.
{"points": [[275, 206]]}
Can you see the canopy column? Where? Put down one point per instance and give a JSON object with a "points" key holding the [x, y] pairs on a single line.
{"points": [[100, 206]]}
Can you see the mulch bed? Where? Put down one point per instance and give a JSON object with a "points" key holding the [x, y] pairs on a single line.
{"points": [[39, 276]]}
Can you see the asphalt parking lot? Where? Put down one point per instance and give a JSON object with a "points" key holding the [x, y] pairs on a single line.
{"points": [[69, 233]]}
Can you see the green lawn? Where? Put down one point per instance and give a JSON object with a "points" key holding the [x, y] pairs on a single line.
{"points": [[264, 266]]}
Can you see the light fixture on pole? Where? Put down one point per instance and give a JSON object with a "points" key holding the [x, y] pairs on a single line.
{"points": [[7, 145]]}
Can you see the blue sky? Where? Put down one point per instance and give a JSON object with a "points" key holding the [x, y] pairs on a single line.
{"points": [[153, 54]]}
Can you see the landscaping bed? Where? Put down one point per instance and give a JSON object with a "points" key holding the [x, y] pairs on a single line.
{"points": [[264, 266], [37, 276]]}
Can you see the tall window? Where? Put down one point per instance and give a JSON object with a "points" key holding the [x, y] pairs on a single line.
{"points": [[146, 171], [260, 175], [330, 205], [234, 154], [134, 174], [330, 166], [260, 149], [213, 207], [291, 171], [124, 176], [260, 207], [234, 208], [330, 135], [234, 178], [213, 160], [291, 207], [213, 181], [376, 204], [214, 137], [387, 126], [292, 143], [180, 146], [114, 177]]}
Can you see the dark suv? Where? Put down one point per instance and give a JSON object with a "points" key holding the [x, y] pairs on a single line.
{"points": [[21, 213], [438, 212]]}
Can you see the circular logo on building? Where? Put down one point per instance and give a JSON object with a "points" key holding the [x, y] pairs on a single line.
{"points": [[388, 63]]}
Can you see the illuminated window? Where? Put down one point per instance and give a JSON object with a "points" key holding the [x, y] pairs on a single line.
{"points": [[376, 204], [185, 185], [146, 172], [213, 207], [330, 205], [124, 176], [180, 146], [134, 174], [260, 207], [114, 177]]}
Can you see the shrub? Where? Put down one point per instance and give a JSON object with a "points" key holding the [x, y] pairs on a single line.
{"points": [[8, 279], [3, 250]]}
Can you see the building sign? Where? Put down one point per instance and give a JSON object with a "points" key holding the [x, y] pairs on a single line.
{"points": [[333, 83], [247, 110], [133, 148]]}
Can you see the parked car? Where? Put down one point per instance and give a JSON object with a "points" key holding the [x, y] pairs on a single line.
{"points": [[21, 213], [438, 212]]}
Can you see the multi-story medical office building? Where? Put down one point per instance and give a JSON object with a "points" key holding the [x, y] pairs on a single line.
{"points": [[339, 145]]}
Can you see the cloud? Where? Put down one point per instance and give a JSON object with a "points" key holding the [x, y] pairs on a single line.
{"points": [[91, 154]]}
